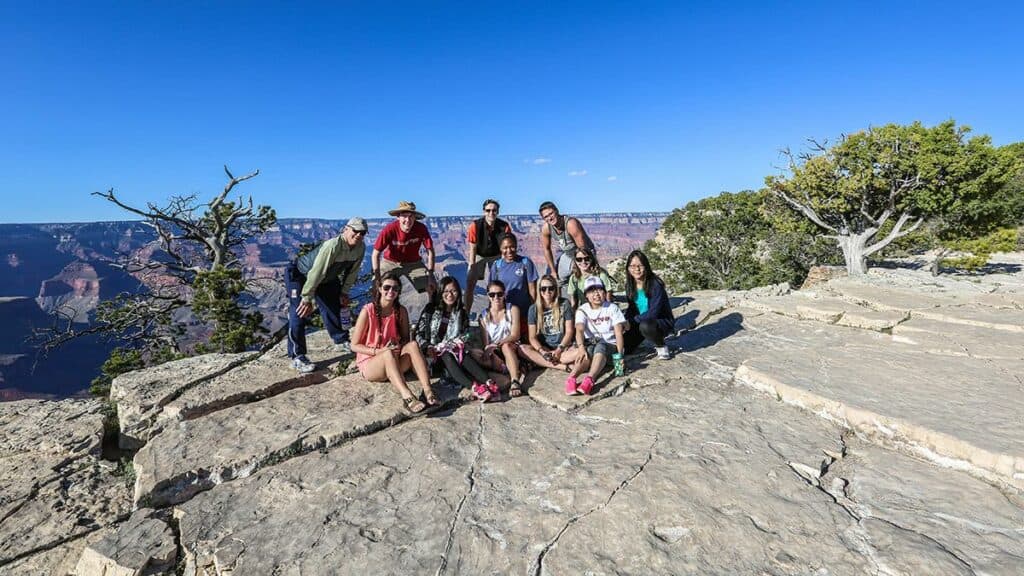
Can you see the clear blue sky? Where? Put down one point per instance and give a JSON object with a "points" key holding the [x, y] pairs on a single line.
{"points": [[348, 107]]}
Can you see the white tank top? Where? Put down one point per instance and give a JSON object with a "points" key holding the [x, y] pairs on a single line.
{"points": [[500, 330]]}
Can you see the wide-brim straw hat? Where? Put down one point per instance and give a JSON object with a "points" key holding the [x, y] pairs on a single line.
{"points": [[404, 206]]}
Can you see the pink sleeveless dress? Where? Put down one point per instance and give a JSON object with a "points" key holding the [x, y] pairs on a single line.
{"points": [[378, 338]]}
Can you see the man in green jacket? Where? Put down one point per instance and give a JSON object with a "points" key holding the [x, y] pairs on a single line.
{"points": [[324, 275]]}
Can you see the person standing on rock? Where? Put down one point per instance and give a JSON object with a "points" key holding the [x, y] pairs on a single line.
{"points": [[600, 328], [482, 240], [569, 234], [383, 347], [649, 312], [398, 248], [325, 275]]}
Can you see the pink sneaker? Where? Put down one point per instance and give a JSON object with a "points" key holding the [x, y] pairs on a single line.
{"points": [[587, 385], [493, 389], [480, 392], [570, 386]]}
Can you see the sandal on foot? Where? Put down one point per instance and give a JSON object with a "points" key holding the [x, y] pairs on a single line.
{"points": [[570, 386], [411, 404], [515, 390], [587, 385], [431, 399], [480, 392]]}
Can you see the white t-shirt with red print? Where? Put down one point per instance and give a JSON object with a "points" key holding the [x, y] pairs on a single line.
{"points": [[600, 323]]}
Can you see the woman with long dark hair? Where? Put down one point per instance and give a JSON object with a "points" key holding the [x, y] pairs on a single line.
{"points": [[585, 265], [649, 312], [442, 334], [384, 351]]}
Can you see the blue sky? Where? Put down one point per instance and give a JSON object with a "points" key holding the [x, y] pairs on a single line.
{"points": [[348, 107]]}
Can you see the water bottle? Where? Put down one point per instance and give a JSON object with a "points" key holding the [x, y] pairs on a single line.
{"points": [[345, 315], [619, 363]]}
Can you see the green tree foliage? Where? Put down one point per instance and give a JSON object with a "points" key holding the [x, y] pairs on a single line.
{"points": [[733, 241], [880, 184], [216, 298]]}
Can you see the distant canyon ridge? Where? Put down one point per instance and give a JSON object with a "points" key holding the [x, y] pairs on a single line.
{"points": [[67, 269]]}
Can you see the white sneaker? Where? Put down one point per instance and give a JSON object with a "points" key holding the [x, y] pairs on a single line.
{"points": [[663, 353], [303, 365], [343, 347]]}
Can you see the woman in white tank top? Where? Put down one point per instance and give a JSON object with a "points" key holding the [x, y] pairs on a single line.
{"points": [[499, 330]]}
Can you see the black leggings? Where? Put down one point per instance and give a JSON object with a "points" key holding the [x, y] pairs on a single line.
{"points": [[648, 329], [458, 372]]}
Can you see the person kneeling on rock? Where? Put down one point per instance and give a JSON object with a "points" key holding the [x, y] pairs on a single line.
{"points": [[599, 326], [384, 351]]}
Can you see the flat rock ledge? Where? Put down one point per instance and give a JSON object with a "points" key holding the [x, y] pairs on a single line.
{"points": [[867, 425]]}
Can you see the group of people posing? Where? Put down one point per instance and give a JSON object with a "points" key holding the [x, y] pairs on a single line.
{"points": [[565, 319]]}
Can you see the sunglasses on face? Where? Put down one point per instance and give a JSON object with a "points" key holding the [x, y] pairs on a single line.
{"points": [[391, 288], [495, 294], [547, 288], [450, 292], [489, 210], [584, 259]]}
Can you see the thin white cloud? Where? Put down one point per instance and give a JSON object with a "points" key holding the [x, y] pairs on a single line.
{"points": [[613, 178], [538, 161], [578, 173]]}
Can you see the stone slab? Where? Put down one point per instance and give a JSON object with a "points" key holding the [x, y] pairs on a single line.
{"points": [[827, 309], [75, 504], [1003, 319], [933, 406], [39, 440], [660, 479], [141, 395], [971, 527], [939, 337], [270, 374], [139, 546], [194, 455]]}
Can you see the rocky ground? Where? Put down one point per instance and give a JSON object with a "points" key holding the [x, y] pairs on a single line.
{"points": [[868, 426]]}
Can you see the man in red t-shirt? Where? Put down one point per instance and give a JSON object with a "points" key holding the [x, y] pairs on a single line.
{"points": [[398, 247]]}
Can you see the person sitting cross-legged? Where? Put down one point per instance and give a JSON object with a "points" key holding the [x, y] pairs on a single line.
{"points": [[600, 328], [551, 328], [384, 351]]}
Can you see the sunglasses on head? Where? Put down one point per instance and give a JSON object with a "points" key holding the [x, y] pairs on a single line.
{"points": [[391, 288], [547, 288], [495, 294]]}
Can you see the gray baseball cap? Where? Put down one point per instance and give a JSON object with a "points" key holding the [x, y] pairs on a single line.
{"points": [[357, 223]]}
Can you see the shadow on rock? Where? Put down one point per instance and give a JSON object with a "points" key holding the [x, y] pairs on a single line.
{"points": [[710, 334]]}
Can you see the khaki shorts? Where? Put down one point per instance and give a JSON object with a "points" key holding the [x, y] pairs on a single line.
{"points": [[479, 268], [416, 272]]}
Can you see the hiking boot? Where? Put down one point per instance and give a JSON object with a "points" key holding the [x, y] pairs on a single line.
{"points": [[303, 365]]}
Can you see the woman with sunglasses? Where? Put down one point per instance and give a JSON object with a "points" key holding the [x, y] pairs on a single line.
{"points": [[649, 313], [551, 328], [384, 351], [499, 331], [441, 333], [584, 266]]}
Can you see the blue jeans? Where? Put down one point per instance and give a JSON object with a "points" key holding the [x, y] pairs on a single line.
{"points": [[328, 300]]}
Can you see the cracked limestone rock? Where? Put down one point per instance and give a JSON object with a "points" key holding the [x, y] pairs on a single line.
{"points": [[140, 546]]}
